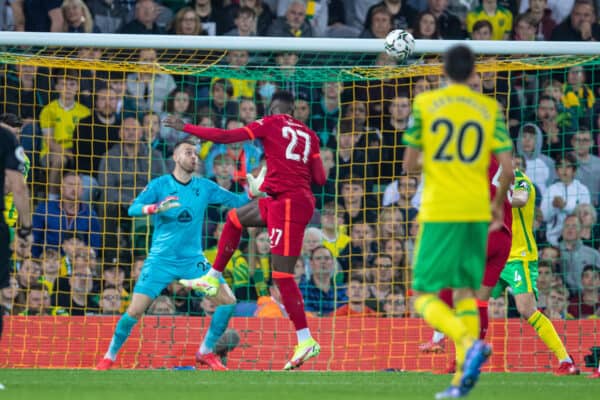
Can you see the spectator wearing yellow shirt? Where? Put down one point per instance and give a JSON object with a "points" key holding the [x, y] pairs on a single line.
{"points": [[37, 302], [500, 18], [58, 121], [238, 60], [333, 237], [234, 270], [578, 98], [249, 278]]}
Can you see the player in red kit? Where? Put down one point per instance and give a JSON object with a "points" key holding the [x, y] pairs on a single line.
{"points": [[498, 250], [293, 161]]}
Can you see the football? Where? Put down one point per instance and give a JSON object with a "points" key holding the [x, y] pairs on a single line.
{"points": [[399, 44]]}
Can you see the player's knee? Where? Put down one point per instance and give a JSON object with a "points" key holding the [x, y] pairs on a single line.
{"points": [[526, 307], [228, 300], [135, 312], [232, 218]]}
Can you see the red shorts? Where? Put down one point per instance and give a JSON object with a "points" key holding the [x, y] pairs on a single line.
{"points": [[498, 249], [286, 217]]}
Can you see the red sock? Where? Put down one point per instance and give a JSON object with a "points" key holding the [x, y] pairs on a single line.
{"points": [[446, 296], [483, 318], [229, 241], [291, 298]]}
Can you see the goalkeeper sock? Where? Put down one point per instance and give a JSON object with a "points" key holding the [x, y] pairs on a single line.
{"points": [[545, 330], [122, 332], [483, 318], [292, 300], [229, 241], [218, 325]]}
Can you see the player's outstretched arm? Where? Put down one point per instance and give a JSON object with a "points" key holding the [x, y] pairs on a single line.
{"points": [[215, 135], [151, 201], [138, 210]]}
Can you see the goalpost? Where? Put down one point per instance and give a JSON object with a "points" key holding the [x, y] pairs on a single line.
{"points": [[354, 97]]}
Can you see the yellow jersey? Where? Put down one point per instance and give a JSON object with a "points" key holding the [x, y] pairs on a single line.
{"points": [[502, 21], [523, 242], [457, 130], [63, 122]]}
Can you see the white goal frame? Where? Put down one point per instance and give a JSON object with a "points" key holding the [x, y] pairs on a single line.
{"points": [[371, 46]]}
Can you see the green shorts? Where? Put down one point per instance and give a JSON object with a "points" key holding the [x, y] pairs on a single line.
{"points": [[449, 255], [520, 276]]}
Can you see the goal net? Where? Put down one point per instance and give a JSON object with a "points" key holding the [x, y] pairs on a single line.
{"points": [[92, 130]]}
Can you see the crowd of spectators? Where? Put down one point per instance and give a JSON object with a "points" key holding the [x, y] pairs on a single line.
{"points": [[95, 139]]}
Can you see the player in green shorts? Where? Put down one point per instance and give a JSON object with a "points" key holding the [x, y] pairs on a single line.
{"points": [[456, 131], [521, 270]]}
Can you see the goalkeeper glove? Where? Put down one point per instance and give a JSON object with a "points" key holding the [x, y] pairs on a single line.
{"points": [[254, 184], [164, 205]]}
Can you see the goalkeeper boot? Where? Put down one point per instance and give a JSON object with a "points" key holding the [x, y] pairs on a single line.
{"points": [[211, 360], [104, 364], [205, 284], [303, 352], [567, 368], [453, 392], [433, 347], [476, 356]]}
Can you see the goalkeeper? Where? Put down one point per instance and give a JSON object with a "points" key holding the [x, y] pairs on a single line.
{"points": [[177, 204]]}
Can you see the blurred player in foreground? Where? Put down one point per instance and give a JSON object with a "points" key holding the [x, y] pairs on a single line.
{"points": [[520, 272], [456, 131]]}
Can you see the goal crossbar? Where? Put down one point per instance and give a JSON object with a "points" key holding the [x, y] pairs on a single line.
{"points": [[371, 46]]}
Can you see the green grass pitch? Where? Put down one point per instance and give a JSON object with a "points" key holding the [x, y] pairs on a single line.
{"points": [[299, 385]]}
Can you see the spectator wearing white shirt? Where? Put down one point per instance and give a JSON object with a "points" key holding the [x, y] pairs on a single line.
{"points": [[588, 165], [562, 197], [560, 8]]}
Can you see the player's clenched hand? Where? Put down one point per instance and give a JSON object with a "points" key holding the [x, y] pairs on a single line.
{"points": [[174, 122], [254, 184], [164, 205], [497, 218]]}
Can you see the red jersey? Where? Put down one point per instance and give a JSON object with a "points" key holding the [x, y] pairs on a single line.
{"points": [[291, 151], [289, 147], [493, 174]]}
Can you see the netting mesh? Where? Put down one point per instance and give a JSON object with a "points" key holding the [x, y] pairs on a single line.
{"points": [[93, 134]]}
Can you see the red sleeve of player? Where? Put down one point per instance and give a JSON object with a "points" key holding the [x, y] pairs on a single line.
{"points": [[258, 128], [217, 135]]}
